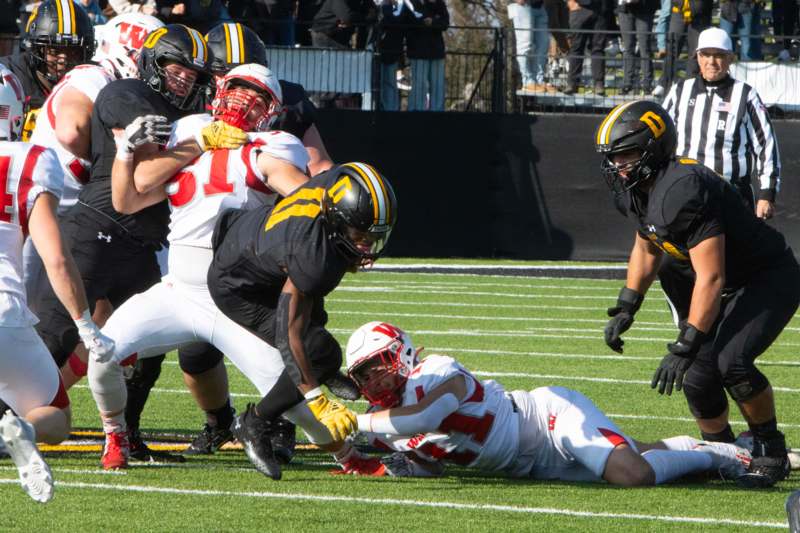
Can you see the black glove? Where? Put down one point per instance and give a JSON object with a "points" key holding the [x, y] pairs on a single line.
{"points": [[628, 302], [680, 357], [143, 130]]}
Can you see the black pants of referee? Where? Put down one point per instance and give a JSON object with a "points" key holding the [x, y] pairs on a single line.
{"points": [[750, 320]]}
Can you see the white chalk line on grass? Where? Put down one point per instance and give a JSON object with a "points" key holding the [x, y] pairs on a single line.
{"points": [[473, 293], [98, 471], [569, 286], [416, 503], [339, 300]]}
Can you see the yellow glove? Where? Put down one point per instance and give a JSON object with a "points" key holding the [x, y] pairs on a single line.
{"points": [[219, 135], [339, 420], [29, 124]]}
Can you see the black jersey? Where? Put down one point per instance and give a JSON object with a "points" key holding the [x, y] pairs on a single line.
{"points": [[256, 250], [690, 203], [116, 106], [299, 112]]}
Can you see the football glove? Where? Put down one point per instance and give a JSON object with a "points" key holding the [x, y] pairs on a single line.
{"points": [[399, 465], [219, 135], [100, 347], [356, 463], [628, 302], [147, 129], [339, 420], [674, 365]]}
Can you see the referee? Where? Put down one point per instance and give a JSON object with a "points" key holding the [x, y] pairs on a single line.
{"points": [[722, 123]]}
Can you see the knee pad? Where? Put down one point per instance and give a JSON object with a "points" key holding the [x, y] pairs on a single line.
{"points": [[704, 401], [145, 372], [198, 357], [742, 389], [324, 351]]}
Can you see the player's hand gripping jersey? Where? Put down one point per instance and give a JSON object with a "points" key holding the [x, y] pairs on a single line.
{"points": [[482, 433], [26, 170], [222, 179], [88, 79]]}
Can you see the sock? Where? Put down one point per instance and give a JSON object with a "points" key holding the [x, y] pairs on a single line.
{"points": [[669, 464], [108, 389], [78, 367], [220, 417], [283, 395], [767, 439], [683, 443], [145, 374], [726, 435], [114, 424]]}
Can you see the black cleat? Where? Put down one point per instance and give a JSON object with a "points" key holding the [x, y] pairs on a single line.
{"points": [[139, 451], [283, 440], [254, 435], [209, 440], [343, 387], [770, 464]]}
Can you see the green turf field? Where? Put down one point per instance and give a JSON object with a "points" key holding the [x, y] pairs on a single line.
{"points": [[523, 332]]}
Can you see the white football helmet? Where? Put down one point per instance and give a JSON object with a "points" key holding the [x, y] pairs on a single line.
{"points": [[11, 105], [120, 41], [386, 350], [233, 105]]}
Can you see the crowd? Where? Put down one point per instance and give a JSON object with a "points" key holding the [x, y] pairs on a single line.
{"points": [[643, 30]]}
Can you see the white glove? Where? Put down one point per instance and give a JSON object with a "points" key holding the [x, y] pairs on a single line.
{"points": [[147, 129], [100, 347]]}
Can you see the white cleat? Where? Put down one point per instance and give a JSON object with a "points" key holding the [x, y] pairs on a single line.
{"points": [[725, 455], [20, 441]]}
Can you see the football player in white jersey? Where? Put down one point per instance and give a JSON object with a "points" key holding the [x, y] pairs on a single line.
{"points": [[434, 411], [179, 309], [30, 383], [65, 126]]}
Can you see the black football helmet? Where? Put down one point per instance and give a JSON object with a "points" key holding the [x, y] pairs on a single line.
{"points": [[175, 43], [641, 125], [359, 210], [233, 44], [60, 24]]}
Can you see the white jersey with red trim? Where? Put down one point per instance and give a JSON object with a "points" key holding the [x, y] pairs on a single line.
{"points": [[222, 179], [88, 79], [26, 170], [482, 433]]}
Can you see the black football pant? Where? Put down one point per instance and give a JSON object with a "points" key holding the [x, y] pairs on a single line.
{"points": [[750, 320]]}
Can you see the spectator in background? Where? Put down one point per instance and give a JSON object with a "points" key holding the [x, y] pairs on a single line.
{"points": [[272, 20], [306, 11], [662, 25], [201, 15], [390, 37], [425, 51], [688, 19], [558, 23], [743, 18], [334, 23], [784, 23], [636, 23], [9, 30], [586, 16], [92, 8], [147, 7], [529, 19]]}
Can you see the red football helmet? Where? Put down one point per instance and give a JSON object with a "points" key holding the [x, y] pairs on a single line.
{"points": [[249, 97]]}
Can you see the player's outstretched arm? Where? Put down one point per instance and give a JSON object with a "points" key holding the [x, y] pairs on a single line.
{"points": [[424, 417], [319, 159], [281, 176], [643, 265], [293, 316], [708, 262], [74, 122], [154, 167]]}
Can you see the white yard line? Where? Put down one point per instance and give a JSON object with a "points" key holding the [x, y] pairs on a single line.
{"points": [[570, 286], [400, 290], [416, 503], [97, 472], [337, 300]]}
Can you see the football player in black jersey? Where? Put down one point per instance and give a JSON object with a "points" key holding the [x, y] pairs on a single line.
{"points": [[115, 253], [58, 36], [233, 44], [746, 288], [272, 268]]}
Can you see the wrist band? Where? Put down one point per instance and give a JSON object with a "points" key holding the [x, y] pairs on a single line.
{"points": [[313, 393]]}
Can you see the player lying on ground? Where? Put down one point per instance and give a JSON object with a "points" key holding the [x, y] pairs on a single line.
{"points": [[434, 411]]}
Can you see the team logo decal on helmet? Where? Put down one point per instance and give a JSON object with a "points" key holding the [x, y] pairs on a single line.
{"points": [[249, 97], [120, 41], [360, 211], [641, 127], [380, 357]]}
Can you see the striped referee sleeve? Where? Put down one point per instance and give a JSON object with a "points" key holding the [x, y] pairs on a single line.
{"points": [[765, 147]]}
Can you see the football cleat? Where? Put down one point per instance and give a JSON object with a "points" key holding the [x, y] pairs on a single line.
{"points": [[724, 454], [283, 439], [745, 440], [209, 440], [343, 387], [19, 438], [253, 434], [362, 465], [115, 451], [140, 451], [768, 466]]}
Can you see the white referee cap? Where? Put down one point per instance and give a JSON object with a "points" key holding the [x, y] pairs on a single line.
{"points": [[714, 38]]}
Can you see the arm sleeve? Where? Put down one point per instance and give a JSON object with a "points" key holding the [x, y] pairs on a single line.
{"points": [[765, 148], [427, 420]]}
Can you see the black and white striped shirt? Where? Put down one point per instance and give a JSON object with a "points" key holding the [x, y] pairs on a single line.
{"points": [[725, 126]]}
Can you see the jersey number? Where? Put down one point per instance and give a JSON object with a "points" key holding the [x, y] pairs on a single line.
{"points": [[7, 200], [217, 184]]}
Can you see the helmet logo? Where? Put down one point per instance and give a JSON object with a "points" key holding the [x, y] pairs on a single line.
{"points": [[339, 189], [655, 123], [153, 38], [132, 35], [388, 330]]}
